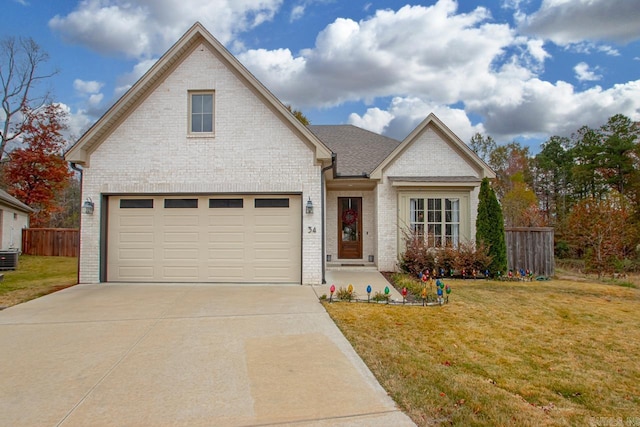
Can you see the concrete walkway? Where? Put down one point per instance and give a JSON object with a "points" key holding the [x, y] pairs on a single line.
{"points": [[192, 355], [360, 279]]}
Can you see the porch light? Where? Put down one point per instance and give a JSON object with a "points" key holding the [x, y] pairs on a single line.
{"points": [[87, 206], [309, 206]]}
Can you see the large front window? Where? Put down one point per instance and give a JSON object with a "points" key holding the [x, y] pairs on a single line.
{"points": [[439, 223]]}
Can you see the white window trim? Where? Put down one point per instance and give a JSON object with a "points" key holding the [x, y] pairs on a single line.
{"points": [[404, 212], [190, 133]]}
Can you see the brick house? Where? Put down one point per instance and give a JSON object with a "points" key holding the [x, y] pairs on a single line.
{"points": [[199, 174]]}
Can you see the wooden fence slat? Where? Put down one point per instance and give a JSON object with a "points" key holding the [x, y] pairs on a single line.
{"points": [[530, 248], [51, 241]]}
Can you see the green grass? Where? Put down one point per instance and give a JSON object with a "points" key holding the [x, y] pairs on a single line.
{"points": [[37, 276], [506, 353]]}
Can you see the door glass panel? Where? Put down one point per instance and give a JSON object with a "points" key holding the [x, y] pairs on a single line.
{"points": [[350, 220]]}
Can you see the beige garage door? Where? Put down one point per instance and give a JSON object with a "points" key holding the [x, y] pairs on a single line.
{"points": [[236, 239]]}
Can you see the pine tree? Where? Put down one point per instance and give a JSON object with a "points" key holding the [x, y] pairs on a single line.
{"points": [[490, 227]]}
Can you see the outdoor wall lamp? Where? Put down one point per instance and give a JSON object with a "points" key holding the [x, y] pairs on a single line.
{"points": [[87, 206], [309, 206]]}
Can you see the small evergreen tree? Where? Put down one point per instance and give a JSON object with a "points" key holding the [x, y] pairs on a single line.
{"points": [[490, 227]]}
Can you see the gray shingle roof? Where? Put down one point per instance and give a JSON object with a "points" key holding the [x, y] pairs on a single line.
{"points": [[358, 151], [8, 199]]}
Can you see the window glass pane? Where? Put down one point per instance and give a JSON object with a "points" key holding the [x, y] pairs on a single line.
{"points": [[226, 203], [180, 203], [136, 203], [207, 103], [452, 210], [272, 203], [207, 123], [196, 123], [196, 104]]}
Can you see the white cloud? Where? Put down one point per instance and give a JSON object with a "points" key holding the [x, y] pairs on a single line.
{"points": [[87, 87], [297, 12], [404, 114], [144, 28], [573, 21], [375, 120], [584, 74], [127, 80], [95, 99], [415, 51]]}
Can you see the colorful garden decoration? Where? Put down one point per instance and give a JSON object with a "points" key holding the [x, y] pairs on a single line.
{"points": [[368, 293], [350, 290], [386, 290], [332, 289], [404, 295], [424, 296], [440, 299]]}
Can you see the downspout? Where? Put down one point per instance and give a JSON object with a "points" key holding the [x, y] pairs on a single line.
{"points": [[79, 170], [322, 203]]}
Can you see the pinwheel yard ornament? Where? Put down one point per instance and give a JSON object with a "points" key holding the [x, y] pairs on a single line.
{"points": [[368, 293], [404, 295], [332, 289], [350, 290]]}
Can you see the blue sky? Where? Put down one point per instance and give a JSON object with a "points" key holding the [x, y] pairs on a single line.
{"points": [[513, 69]]}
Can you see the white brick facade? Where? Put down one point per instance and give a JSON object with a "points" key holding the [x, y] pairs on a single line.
{"points": [[142, 147], [253, 151]]}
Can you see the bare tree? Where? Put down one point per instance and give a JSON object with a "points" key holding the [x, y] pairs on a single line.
{"points": [[21, 60]]}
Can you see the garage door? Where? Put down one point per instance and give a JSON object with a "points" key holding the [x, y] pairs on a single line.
{"points": [[236, 239]]}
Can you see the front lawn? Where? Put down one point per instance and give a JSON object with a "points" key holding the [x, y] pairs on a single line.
{"points": [[37, 276], [506, 353]]}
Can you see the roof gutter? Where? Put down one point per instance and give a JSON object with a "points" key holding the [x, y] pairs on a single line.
{"points": [[322, 202], [75, 167]]}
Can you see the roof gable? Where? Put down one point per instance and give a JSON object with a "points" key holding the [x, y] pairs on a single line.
{"points": [[80, 151], [432, 121]]}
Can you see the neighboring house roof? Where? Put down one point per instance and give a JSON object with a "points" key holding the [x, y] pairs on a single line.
{"points": [[80, 151], [8, 199], [358, 151], [455, 142]]}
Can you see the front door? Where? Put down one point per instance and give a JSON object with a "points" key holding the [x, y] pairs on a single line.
{"points": [[350, 227]]}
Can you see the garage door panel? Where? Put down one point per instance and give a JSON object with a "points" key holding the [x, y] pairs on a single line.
{"points": [[206, 244], [135, 273], [135, 237], [180, 254], [191, 220], [226, 274], [177, 237], [136, 221], [216, 255], [137, 254], [181, 273]]}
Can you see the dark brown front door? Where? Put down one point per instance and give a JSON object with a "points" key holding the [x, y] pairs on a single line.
{"points": [[350, 227]]}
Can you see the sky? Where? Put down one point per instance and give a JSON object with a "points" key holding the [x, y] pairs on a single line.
{"points": [[516, 70]]}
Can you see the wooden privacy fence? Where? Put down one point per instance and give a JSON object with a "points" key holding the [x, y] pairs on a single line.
{"points": [[530, 248], [51, 241]]}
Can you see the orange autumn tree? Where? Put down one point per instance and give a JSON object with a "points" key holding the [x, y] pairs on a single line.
{"points": [[36, 172], [603, 230]]}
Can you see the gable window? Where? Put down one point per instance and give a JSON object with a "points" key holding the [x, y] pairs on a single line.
{"points": [[439, 223], [201, 112]]}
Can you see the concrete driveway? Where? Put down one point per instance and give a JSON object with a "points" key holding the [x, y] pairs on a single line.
{"points": [[193, 355]]}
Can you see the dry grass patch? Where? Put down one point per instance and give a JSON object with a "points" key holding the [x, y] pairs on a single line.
{"points": [[505, 353], [37, 276]]}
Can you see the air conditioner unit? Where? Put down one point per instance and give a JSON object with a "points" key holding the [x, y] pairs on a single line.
{"points": [[8, 260]]}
